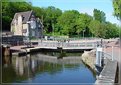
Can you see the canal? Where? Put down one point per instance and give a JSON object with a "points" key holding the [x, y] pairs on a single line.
{"points": [[45, 68]]}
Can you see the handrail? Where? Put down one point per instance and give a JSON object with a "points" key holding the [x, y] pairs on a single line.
{"points": [[107, 54], [66, 44]]}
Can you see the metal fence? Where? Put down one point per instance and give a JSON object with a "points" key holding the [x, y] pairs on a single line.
{"points": [[12, 40], [67, 45]]}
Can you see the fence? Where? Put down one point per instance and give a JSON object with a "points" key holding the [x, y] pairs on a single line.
{"points": [[66, 44], [12, 40]]}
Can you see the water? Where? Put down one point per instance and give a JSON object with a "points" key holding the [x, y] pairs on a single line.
{"points": [[40, 68]]}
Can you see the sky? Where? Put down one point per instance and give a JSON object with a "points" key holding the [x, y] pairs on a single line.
{"points": [[83, 6]]}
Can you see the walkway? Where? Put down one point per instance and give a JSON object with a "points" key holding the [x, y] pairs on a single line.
{"points": [[116, 54], [108, 76]]}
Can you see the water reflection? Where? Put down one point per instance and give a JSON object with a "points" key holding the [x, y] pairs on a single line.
{"points": [[6, 60], [42, 68]]}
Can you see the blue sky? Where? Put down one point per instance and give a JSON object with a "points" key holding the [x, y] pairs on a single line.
{"points": [[83, 6]]}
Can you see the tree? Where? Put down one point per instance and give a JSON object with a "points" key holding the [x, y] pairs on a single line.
{"points": [[67, 22], [39, 12], [112, 30], [102, 30], [50, 19], [117, 8], [98, 29], [9, 9], [82, 23], [70, 22], [117, 11], [94, 26], [120, 31], [99, 15]]}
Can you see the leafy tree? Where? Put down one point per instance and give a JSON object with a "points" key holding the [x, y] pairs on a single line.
{"points": [[117, 11], [39, 12], [112, 30], [94, 25], [70, 22], [50, 19], [117, 8], [82, 23], [98, 29], [99, 15], [102, 31], [9, 9], [120, 32], [67, 22]]}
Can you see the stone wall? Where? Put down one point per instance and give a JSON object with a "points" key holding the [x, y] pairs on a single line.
{"points": [[89, 58]]}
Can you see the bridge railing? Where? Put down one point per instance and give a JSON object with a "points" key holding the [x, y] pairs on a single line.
{"points": [[66, 45]]}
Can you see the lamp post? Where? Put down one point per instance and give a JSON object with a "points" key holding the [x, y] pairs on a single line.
{"points": [[83, 37], [83, 33]]}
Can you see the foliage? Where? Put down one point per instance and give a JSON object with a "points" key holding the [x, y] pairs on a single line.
{"points": [[104, 30], [117, 12], [50, 19], [82, 23], [117, 8], [39, 12], [9, 9], [99, 15], [112, 30], [67, 23], [94, 27]]}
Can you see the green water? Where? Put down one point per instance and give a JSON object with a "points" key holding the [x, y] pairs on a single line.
{"points": [[34, 69]]}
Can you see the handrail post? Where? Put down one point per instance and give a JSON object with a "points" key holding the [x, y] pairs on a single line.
{"points": [[112, 53]]}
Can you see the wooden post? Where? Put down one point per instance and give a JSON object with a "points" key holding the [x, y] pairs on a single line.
{"points": [[6, 55], [6, 51]]}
